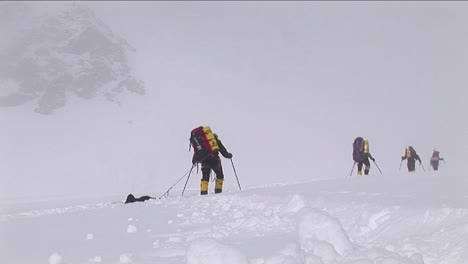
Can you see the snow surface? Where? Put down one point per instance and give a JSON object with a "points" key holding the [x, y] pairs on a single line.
{"points": [[386, 219]]}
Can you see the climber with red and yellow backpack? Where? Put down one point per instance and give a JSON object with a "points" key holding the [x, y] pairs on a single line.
{"points": [[207, 146]]}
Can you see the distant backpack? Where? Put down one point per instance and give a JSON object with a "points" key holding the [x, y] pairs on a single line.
{"points": [[435, 156], [358, 149], [204, 143]]}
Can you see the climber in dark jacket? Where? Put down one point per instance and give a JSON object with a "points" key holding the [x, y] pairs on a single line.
{"points": [[411, 156], [213, 162], [361, 155]]}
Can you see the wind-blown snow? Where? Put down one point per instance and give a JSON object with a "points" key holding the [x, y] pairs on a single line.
{"points": [[411, 219]]}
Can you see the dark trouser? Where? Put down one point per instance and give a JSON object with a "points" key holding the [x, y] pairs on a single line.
{"points": [[435, 164], [411, 164], [212, 163], [365, 161]]}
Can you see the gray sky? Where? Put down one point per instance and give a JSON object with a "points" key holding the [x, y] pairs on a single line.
{"points": [[286, 85]]}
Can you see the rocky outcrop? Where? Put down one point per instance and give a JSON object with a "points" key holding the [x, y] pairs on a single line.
{"points": [[51, 56]]}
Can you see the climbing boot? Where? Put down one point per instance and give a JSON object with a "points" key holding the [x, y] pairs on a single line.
{"points": [[219, 185], [204, 188]]}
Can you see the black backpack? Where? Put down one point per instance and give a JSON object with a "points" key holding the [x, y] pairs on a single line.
{"points": [[358, 148]]}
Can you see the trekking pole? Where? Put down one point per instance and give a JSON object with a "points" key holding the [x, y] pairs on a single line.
{"points": [[377, 166], [354, 164], [401, 162], [237, 178], [166, 194], [188, 179], [422, 166]]}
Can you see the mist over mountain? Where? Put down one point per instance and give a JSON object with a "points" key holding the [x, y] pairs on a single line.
{"points": [[53, 51], [286, 86]]}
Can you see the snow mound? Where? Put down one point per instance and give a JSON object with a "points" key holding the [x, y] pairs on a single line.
{"points": [[55, 258], [210, 251], [317, 228]]}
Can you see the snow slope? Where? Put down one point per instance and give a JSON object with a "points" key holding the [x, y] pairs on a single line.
{"points": [[407, 218]]}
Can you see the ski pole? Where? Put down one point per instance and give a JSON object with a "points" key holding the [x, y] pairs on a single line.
{"points": [[401, 162], [187, 179], [166, 194], [193, 166], [354, 164], [377, 166], [422, 166], [235, 173]]}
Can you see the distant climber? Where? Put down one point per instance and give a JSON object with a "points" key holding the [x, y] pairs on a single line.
{"points": [[411, 156], [361, 155], [435, 160]]}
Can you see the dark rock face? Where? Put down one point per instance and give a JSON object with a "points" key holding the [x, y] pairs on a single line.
{"points": [[60, 54]]}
